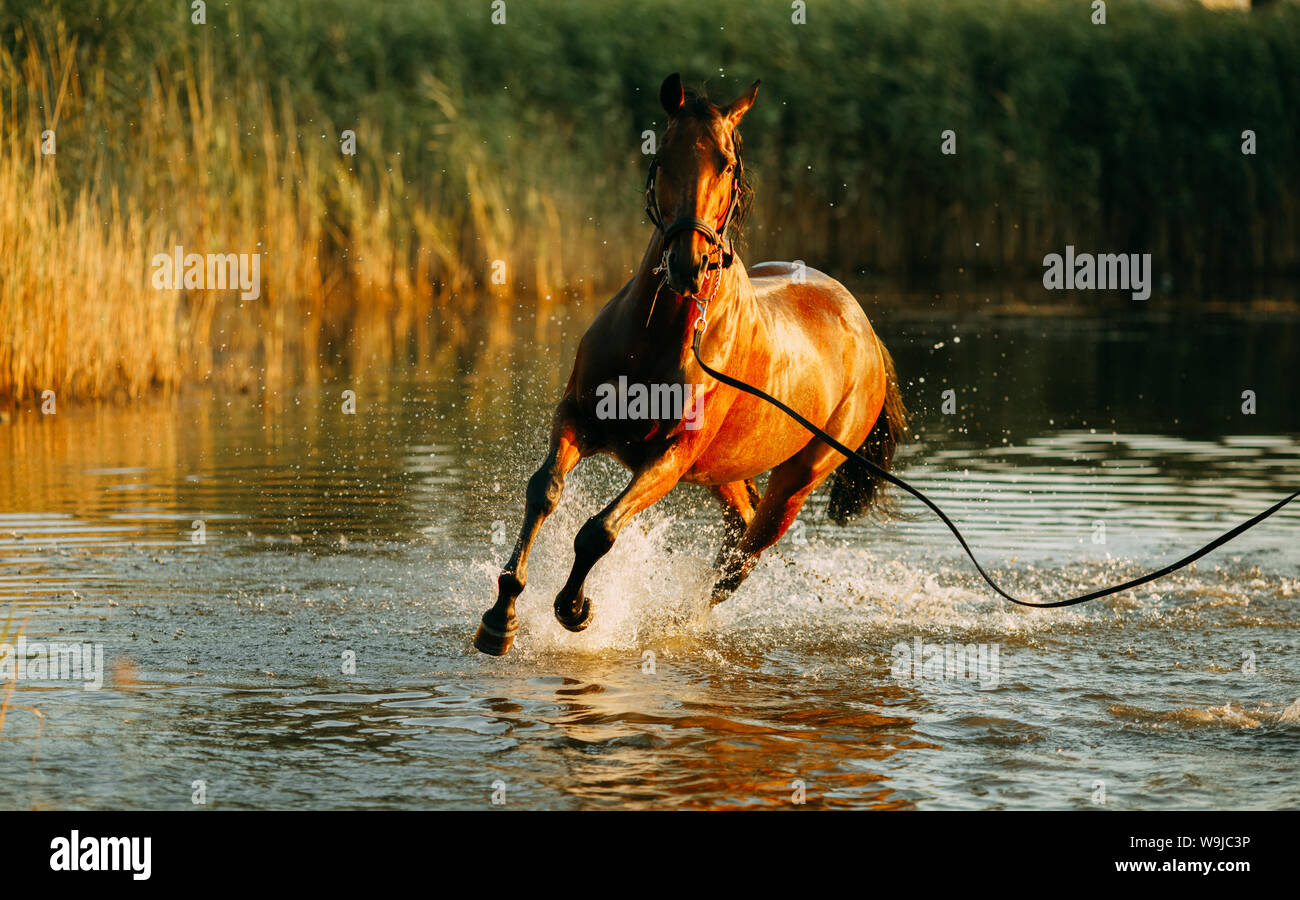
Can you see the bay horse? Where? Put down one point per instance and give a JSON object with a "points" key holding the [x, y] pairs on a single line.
{"points": [[794, 332]]}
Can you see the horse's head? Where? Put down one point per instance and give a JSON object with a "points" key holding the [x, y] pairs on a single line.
{"points": [[696, 184]]}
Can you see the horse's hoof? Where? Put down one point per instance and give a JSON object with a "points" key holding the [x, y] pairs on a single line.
{"points": [[493, 640], [578, 622]]}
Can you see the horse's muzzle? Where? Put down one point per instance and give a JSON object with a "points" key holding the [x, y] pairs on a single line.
{"points": [[686, 272]]}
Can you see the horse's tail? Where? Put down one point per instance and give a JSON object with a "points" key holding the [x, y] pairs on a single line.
{"points": [[855, 489]]}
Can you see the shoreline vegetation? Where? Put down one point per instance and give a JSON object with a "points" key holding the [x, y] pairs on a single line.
{"points": [[513, 153]]}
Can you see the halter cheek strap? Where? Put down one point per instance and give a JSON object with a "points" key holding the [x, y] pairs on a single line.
{"points": [[716, 238]]}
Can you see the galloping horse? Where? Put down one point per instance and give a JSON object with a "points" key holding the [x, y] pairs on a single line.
{"points": [[794, 332]]}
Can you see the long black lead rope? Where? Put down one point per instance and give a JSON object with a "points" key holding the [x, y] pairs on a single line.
{"points": [[895, 480]]}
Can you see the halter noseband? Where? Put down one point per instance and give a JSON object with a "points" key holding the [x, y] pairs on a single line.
{"points": [[718, 239]]}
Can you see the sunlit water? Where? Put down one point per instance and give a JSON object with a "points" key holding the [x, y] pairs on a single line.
{"points": [[1082, 452]]}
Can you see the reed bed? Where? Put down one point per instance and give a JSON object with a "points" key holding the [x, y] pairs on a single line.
{"points": [[484, 149]]}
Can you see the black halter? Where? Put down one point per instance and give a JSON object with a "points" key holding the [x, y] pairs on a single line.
{"points": [[690, 223]]}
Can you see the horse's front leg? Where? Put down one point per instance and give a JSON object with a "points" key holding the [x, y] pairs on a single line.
{"points": [[596, 537], [497, 631]]}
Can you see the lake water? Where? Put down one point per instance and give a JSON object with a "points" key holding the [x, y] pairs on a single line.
{"points": [[1084, 449]]}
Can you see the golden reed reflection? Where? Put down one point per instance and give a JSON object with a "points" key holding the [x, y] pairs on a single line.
{"points": [[625, 743]]}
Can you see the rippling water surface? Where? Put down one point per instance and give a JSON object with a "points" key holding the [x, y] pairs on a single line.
{"points": [[1083, 451]]}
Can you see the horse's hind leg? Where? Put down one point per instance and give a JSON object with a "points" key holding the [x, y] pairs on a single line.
{"points": [[597, 535], [787, 489], [497, 631], [738, 500]]}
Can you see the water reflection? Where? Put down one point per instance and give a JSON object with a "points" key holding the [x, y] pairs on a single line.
{"points": [[377, 533]]}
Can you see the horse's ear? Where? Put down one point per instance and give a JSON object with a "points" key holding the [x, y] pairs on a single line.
{"points": [[736, 111], [671, 94]]}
